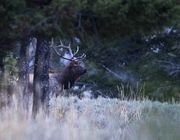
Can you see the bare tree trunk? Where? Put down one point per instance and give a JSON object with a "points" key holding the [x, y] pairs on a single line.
{"points": [[41, 77], [1, 72], [23, 72]]}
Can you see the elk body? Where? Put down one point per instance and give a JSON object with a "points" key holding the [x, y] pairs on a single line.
{"points": [[70, 74], [65, 79]]}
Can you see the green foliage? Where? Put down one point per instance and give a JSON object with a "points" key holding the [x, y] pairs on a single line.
{"points": [[159, 84], [117, 17], [134, 16], [10, 69], [10, 73], [106, 29]]}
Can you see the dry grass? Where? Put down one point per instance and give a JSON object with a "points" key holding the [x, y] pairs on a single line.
{"points": [[92, 119]]}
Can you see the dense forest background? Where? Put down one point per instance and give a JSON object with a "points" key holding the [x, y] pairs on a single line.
{"points": [[131, 45]]}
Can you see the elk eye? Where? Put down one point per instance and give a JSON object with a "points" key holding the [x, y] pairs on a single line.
{"points": [[76, 64]]}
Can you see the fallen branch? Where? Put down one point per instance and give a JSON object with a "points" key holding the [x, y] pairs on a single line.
{"points": [[112, 72]]}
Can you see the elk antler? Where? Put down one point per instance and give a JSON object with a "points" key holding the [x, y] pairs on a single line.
{"points": [[60, 47]]}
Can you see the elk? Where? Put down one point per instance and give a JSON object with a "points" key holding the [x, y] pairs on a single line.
{"points": [[74, 68]]}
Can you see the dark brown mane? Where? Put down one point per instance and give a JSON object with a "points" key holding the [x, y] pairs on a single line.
{"points": [[70, 74]]}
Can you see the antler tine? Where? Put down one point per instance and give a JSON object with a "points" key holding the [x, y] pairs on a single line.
{"points": [[83, 56], [79, 57], [62, 45], [70, 51], [77, 50], [52, 43], [61, 55], [68, 47], [59, 46]]}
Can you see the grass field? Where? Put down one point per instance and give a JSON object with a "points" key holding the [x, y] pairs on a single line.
{"points": [[93, 119]]}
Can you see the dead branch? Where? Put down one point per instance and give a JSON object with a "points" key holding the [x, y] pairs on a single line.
{"points": [[123, 75]]}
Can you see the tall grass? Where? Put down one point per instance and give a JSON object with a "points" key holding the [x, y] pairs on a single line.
{"points": [[92, 119]]}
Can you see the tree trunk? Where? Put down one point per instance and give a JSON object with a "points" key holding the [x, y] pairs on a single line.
{"points": [[1, 71], [23, 72], [41, 76]]}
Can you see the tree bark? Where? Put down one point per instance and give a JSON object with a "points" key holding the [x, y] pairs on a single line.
{"points": [[41, 77], [23, 71]]}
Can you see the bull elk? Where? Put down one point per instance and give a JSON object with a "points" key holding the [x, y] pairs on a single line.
{"points": [[74, 68]]}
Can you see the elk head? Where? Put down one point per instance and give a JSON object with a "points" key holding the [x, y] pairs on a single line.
{"points": [[73, 69]]}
